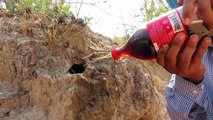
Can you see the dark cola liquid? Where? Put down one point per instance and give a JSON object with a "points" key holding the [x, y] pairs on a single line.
{"points": [[139, 45]]}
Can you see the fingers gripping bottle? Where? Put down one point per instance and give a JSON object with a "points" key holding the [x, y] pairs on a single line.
{"points": [[144, 43]]}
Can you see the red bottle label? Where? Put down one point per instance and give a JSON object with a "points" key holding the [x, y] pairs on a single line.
{"points": [[163, 30]]}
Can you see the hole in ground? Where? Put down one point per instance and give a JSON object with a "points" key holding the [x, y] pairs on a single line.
{"points": [[77, 68]]}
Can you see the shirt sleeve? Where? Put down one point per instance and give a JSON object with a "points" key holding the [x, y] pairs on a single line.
{"points": [[185, 100]]}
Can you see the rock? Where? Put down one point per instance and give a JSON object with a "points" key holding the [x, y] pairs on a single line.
{"points": [[102, 89]]}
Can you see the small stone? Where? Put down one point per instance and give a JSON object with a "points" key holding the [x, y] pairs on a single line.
{"points": [[33, 60], [12, 113], [80, 21], [66, 44], [29, 32], [67, 19]]}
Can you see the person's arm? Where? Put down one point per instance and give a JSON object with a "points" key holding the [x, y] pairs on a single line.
{"points": [[185, 100]]}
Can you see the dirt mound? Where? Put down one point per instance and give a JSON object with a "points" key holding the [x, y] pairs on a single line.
{"points": [[56, 68]]}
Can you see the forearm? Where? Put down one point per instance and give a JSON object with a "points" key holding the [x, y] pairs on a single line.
{"points": [[185, 99]]}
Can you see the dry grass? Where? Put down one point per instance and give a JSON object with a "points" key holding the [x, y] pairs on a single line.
{"points": [[46, 27]]}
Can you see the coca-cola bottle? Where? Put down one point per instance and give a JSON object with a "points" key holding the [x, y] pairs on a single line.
{"points": [[139, 45], [144, 43]]}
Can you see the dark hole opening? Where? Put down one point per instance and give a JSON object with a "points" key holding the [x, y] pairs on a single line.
{"points": [[77, 68], [7, 113]]}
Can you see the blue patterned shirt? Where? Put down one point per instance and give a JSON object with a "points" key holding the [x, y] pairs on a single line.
{"points": [[187, 101]]}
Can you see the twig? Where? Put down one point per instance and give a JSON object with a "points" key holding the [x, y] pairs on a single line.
{"points": [[125, 29], [81, 3], [94, 4]]}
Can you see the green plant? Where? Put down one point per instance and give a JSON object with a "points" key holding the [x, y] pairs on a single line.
{"points": [[153, 8], [10, 5], [64, 9], [119, 40], [38, 6], [41, 5], [87, 19]]}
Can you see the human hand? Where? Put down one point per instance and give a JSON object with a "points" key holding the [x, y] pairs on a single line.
{"points": [[187, 62], [202, 9]]}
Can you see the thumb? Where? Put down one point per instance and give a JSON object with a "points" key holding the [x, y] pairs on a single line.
{"points": [[188, 10]]}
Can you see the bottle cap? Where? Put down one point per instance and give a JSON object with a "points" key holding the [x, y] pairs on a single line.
{"points": [[115, 54]]}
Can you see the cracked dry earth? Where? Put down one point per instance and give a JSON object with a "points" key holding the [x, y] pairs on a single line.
{"points": [[64, 71]]}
